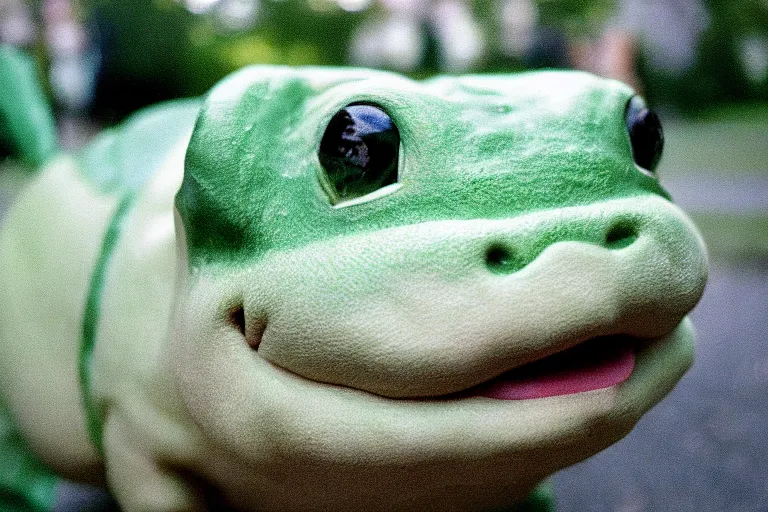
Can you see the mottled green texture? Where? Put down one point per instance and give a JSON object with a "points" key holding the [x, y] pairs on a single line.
{"points": [[473, 147], [25, 483], [26, 123], [121, 160]]}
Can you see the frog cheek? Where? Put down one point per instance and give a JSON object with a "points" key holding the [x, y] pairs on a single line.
{"points": [[437, 308]]}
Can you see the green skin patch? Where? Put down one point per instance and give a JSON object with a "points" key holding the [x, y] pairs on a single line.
{"points": [[291, 347]]}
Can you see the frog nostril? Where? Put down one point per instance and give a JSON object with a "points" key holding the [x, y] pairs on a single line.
{"points": [[501, 260], [251, 331], [621, 234], [237, 318]]}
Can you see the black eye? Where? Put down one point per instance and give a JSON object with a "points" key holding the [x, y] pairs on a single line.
{"points": [[359, 151], [645, 133]]}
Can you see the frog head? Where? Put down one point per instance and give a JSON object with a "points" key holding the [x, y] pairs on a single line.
{"points": [[402, 293]]}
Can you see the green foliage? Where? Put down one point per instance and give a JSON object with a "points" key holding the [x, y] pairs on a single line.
{"points": [[156, 49], [27, 129], [578, 18], [718, 75]]}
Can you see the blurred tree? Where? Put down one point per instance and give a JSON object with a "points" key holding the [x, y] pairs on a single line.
{"points": [[146, 50], [722, 72], [577, 18], [158, 49], [734, 23]]}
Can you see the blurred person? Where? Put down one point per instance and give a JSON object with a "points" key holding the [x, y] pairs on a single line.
{"points": [[72, 70], [73, 66], [614, 55], [17, 26], [667, 32], [518, 20]]}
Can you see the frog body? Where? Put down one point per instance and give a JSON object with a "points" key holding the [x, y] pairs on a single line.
{"points": [[314, 291]]}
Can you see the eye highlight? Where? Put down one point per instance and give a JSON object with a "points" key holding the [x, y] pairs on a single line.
{"points": [[645, 133], [359, 152]]}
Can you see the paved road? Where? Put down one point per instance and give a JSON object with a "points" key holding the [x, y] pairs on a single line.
{"points": [[705, 448], [707, 192]]}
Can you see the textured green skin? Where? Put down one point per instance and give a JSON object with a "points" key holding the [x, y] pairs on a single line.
{"points": [[26, 123], [361, 311], [473, 161]]}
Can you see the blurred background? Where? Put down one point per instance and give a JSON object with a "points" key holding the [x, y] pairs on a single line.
{"points": [[703, 64]]}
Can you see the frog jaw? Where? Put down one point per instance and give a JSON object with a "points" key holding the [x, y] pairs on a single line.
{"points": [[424, 310], [428, 310], [351, 335], [339, 448]]}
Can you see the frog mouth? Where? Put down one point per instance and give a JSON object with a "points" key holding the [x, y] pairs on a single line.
{"points": [[599, 363]]}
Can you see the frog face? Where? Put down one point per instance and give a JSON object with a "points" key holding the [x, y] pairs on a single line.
{"points": [[450, 288]]}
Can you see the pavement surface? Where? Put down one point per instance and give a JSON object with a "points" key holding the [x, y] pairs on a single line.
{"points": [[704, 448], [720, 194]]}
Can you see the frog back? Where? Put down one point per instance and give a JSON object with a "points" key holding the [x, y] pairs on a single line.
{"points": [[57, 247]]}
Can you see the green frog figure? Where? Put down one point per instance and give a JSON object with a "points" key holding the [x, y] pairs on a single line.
{"points": [[342, 290]]}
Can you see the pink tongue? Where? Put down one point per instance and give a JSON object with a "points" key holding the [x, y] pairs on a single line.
{"points": [[596, 364]]}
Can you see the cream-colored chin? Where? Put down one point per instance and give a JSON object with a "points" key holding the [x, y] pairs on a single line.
{"points": [[310, 386], [369, 449]]}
